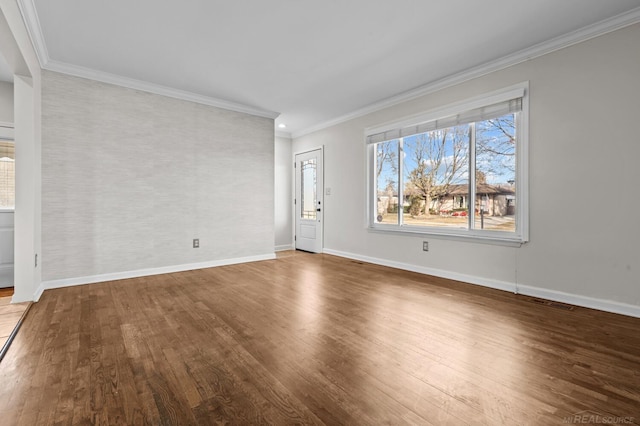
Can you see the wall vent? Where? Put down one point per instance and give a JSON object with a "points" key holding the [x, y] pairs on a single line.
{"points": [[552, 304]]}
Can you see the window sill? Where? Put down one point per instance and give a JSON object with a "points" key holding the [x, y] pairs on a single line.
{"points": [[493, 238]]}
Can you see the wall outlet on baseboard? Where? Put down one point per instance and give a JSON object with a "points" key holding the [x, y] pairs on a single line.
{"points": [[196, 242], [425, 246]]}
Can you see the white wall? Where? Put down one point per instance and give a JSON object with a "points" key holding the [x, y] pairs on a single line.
{"points": [[6, 102], [283, 195], [130, 178], [584, 152]]}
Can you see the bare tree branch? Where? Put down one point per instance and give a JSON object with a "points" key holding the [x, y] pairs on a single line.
{"points": [[440, 157]]}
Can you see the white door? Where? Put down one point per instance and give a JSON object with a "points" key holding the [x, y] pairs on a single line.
{"points": [[308, 201]]}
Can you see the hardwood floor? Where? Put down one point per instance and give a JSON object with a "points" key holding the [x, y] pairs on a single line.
{"points": [[6, 292], [10, 315], [315, 339]]}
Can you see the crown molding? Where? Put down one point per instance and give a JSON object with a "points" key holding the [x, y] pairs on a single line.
{"points": [[157, 89], [30, 18], [583, 34]]}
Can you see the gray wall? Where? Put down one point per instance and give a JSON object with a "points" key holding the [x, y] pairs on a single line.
{"points": [[283, 194], [584, 174], [6, 102], [130, 178]]}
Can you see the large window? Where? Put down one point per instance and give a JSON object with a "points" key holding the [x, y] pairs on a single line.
{"points": [[460, 171]]}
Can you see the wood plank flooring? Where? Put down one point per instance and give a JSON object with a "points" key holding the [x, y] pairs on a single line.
{"points": [[314, 339], [10, 314], [6, 292]]}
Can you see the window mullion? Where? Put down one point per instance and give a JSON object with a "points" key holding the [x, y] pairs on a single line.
{"points": [[400, 181], [373, 184], [472, 175], [520, 177]]}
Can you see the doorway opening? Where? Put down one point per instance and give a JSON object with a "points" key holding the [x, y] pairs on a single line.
{"points": [[7, 211]]}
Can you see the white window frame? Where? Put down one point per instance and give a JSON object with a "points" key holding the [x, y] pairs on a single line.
{"points": [[521, 234]]}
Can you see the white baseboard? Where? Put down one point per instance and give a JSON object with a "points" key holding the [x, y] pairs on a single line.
{"points": [[284, 247], [69, 282], [41, 288], [578, 300], [485, 282], [557, 296]]}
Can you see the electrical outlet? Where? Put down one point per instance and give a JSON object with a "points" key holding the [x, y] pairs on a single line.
{"points": [[425, 246], [196, 242]]}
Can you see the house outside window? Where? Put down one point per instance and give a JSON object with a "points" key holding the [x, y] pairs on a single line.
{"points": [[459, 171]]}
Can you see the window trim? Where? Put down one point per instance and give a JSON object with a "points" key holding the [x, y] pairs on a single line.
{"points": [[521, 234]]}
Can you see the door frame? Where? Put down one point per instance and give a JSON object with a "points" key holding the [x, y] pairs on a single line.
{"points": [[320, 196], [22, 58]]}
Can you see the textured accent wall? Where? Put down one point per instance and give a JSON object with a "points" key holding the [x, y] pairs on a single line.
{"points": [[129, 179]]}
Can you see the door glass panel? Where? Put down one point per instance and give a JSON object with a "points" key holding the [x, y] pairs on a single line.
{"points": [[308, 189]]}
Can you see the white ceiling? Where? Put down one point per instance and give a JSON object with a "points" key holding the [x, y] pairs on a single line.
{"points": [[311, 61]]}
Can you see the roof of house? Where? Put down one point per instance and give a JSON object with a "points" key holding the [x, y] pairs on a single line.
{"points": [[482, 189], [461, 189]]}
